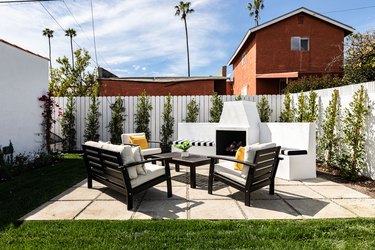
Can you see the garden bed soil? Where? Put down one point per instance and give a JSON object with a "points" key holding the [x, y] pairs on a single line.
{"points": [[363, 185]]}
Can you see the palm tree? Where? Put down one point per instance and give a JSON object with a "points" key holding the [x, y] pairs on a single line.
{"points": [[49, 33], [183, 9], [71, 33], [254, 10]]}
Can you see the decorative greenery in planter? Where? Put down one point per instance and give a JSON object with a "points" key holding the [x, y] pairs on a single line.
{"points": [[287, 114], [238, 98], [328, 149], [68, 125], [117, 119], [167, 127], [217, 107], [92, 121], [142, 118], [192, 111], [184, 146], [48, 106], [312, 109], [264, 110], [353, 158], [301, 113]]}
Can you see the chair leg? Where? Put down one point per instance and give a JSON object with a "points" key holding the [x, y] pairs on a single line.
{"points": [[169, 187], [169, 178], [130, 201], [211, 176], [272, 187], [210, 183], [89, 181], [247, 198]]}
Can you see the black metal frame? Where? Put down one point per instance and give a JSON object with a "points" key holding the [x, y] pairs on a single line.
{"points": [[261, 173], [107, 167]]}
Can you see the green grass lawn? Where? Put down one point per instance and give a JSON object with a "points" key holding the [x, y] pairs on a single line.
{"points": [[26, 192], [176, 234]]}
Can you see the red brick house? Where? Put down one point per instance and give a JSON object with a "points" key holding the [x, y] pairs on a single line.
{"points": [[296, 44], [111, 85]]}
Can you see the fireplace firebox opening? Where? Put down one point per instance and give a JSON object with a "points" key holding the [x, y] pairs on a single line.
{"points": [[228, 141]]}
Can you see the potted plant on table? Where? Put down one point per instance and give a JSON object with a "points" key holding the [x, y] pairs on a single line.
{"points": [[184, 147]]}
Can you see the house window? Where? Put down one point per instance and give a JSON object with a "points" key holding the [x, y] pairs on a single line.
{"points": [[243, 58], [300, 43]]}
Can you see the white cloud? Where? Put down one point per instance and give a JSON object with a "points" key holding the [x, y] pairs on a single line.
{"points": [[139, 33]]}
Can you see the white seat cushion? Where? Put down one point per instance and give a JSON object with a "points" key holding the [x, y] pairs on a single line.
{"points": [[225, 168], [151, 151], [152, 171]]}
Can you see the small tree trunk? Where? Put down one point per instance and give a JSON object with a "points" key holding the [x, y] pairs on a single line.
{"points": [[71, 47], [187, 46], [50, 60]]}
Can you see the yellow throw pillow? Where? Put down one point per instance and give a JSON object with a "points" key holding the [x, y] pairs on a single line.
{"points": [[240, 155], [139, 140]]}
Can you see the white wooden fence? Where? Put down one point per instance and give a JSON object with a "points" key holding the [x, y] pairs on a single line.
{"points": [[179, 104]]}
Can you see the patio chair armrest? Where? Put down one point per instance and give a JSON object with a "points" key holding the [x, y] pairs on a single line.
{"points": [[146, 161], [131, 144], [152, 141], [216, 157]]}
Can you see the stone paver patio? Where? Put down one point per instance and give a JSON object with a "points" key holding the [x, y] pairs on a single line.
{"points": [[315, 198]]}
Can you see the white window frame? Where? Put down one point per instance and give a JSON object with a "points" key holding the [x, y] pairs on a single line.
{"points": [[299, 43]]}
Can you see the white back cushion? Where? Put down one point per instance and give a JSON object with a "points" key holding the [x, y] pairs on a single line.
{"points": [[138, 157], [126, 155], [125, 137], [250, 152]]}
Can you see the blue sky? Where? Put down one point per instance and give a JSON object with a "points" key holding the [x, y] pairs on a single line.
{"points": [[144, 38]]}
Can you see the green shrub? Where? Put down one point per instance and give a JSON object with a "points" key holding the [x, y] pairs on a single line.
{"points": [[142, 118], [217, 107], [288, 112], [48, 105], [353, 158], [92, 121], [301, 113], [68, 128], [328, 144], [264, 109], [117, 119], [192, 111], [312, 109], [167, 127], [307, 83], [238, 98], [360, 58]]}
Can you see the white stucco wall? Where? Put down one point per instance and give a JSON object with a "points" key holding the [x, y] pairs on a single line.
{"points": [[23, 78]]}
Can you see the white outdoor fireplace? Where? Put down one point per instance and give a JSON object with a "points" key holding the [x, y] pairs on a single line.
{"points": [[238, 126]]}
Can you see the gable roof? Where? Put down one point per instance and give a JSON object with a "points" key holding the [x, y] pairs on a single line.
{"points": [[25, 50], [348, 29]]}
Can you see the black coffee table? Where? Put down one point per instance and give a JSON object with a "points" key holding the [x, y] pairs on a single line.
{"points": [[191, 161]]}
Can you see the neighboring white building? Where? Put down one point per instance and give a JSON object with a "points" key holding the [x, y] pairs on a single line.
{"points": [[23, 79]]}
